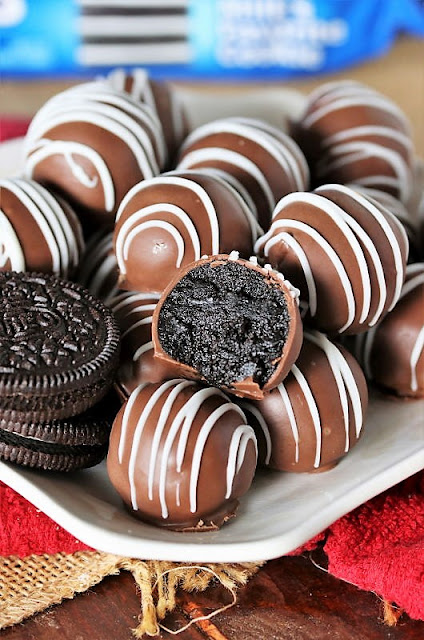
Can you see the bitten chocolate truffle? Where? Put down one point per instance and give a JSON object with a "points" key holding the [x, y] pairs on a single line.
{"points": [[351, 133], [38, 231], [161, 98], [315, 416], [345, 253], [181, 455], [165, 223], [92, 144], [253, 155], [133, 313], [231, 323], [392, 353]]}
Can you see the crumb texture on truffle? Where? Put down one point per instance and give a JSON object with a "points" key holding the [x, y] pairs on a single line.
{"points": [[227, 322]]}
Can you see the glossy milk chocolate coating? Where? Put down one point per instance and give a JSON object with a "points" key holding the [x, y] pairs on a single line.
{"points": [[254, 156], [238, 325], [93, 144], [392, 353], [181, 455], [315, 416], [38, 231], [345, 253], [159, 96], [352, 133], [401, 212], [165, 223], [133, 313], [98, 271]]}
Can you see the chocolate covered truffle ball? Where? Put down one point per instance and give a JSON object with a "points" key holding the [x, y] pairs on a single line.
{"points": [[229, 322], [399, 210], [352, 133], [93, 144], [257, 156], [165, 223], [133, 313], [38, 231], [159, 96], [181, 455], [98, 271], [315, 416], [392, 353], [346, 254]]}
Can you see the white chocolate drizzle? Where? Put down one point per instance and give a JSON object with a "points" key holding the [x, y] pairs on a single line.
{"points": [[138, 433], [45, 148], [368, 99], [235, 183], [240, 439], [364, 343], [187, 220], [272, 141], [313, 410], [175, 436], [248, 406], [384, 133], [99, 270], [415, 355], [209, 155], [292, 419], [133, 226], [53, 224], [347, 390], [97, 95], [386, 220], [359, 241], [141, 90], [10, 247], [353, 152], [99, 105]]}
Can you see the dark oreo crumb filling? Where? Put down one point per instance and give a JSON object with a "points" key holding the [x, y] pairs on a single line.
{"points": [[227, 321]]}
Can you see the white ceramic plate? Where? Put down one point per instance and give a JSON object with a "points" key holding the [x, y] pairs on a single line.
{"points": [[281, 511]]}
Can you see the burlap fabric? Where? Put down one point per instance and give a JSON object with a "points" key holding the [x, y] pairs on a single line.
{"points": [[29, 585]]}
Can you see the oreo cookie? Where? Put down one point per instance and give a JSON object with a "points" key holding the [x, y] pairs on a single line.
{"points": [[59, 349], [60, 445]]}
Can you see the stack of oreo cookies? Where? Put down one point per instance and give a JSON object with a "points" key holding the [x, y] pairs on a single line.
{"points": [[59, 348]]}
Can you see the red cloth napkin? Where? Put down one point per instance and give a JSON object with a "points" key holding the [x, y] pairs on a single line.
{"points": [[378, 547], [12, 127]]}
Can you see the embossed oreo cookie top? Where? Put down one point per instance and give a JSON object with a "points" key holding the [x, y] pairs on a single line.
{"points": [[55, 338]]}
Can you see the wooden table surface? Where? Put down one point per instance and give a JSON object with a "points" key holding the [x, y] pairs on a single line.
{"points": [[289, 598]]}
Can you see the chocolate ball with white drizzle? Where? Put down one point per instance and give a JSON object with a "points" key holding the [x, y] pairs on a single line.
{"points": [[137, 365], [345, 253], [92, 144], [352, 133], [392, 353], [39, 231], [315, 416], [98, 270], [159, 96], [181, 455], [253, 156], [169, 221]]}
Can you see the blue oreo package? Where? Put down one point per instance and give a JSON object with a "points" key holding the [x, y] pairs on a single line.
{"points": [[209, 39]]}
